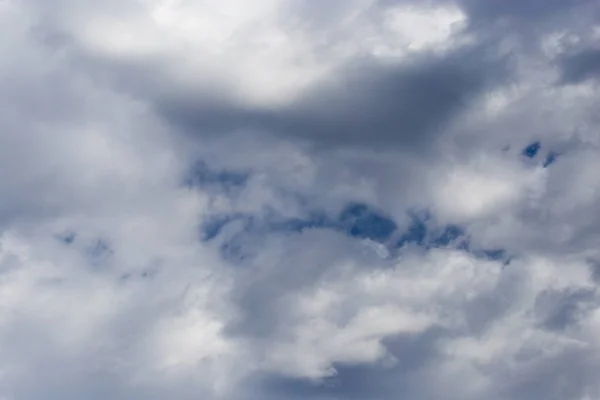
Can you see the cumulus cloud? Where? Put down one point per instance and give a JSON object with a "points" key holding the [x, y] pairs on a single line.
{"points": [[280, 200]]}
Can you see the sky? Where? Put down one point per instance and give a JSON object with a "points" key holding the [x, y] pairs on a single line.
{"points": [[287, 199]]}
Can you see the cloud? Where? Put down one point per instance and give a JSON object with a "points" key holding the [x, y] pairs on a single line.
{"points": [[283, 200], [581, 66], [531, 11]]}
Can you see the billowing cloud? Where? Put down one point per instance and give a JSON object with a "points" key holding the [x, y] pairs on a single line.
{"points": [[285, 200]]}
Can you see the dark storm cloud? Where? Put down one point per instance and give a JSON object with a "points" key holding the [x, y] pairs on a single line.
{"points": [[377, 104], [365, 103]]}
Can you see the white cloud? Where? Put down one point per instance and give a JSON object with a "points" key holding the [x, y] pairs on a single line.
{"points": [[426, 27], [485, 186]]}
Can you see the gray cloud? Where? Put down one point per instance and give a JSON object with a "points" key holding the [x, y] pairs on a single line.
{"points": [[578, 67], [407, 105], [529, 11], [127, 125]]}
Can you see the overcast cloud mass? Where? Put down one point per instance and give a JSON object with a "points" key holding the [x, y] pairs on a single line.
{"points": [[288, 199]]}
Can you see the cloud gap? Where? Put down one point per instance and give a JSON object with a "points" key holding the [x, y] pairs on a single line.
{"points": [[531, 150], [355, 220]]}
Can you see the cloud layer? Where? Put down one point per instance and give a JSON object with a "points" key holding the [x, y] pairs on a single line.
{"points": [[282, 200]]}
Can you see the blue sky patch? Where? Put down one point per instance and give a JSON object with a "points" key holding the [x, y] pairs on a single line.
{"points": [[451, 234], [532, 150], [356, 220], [416, 233], [550, 159], [212, 227], [360, 220]]}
